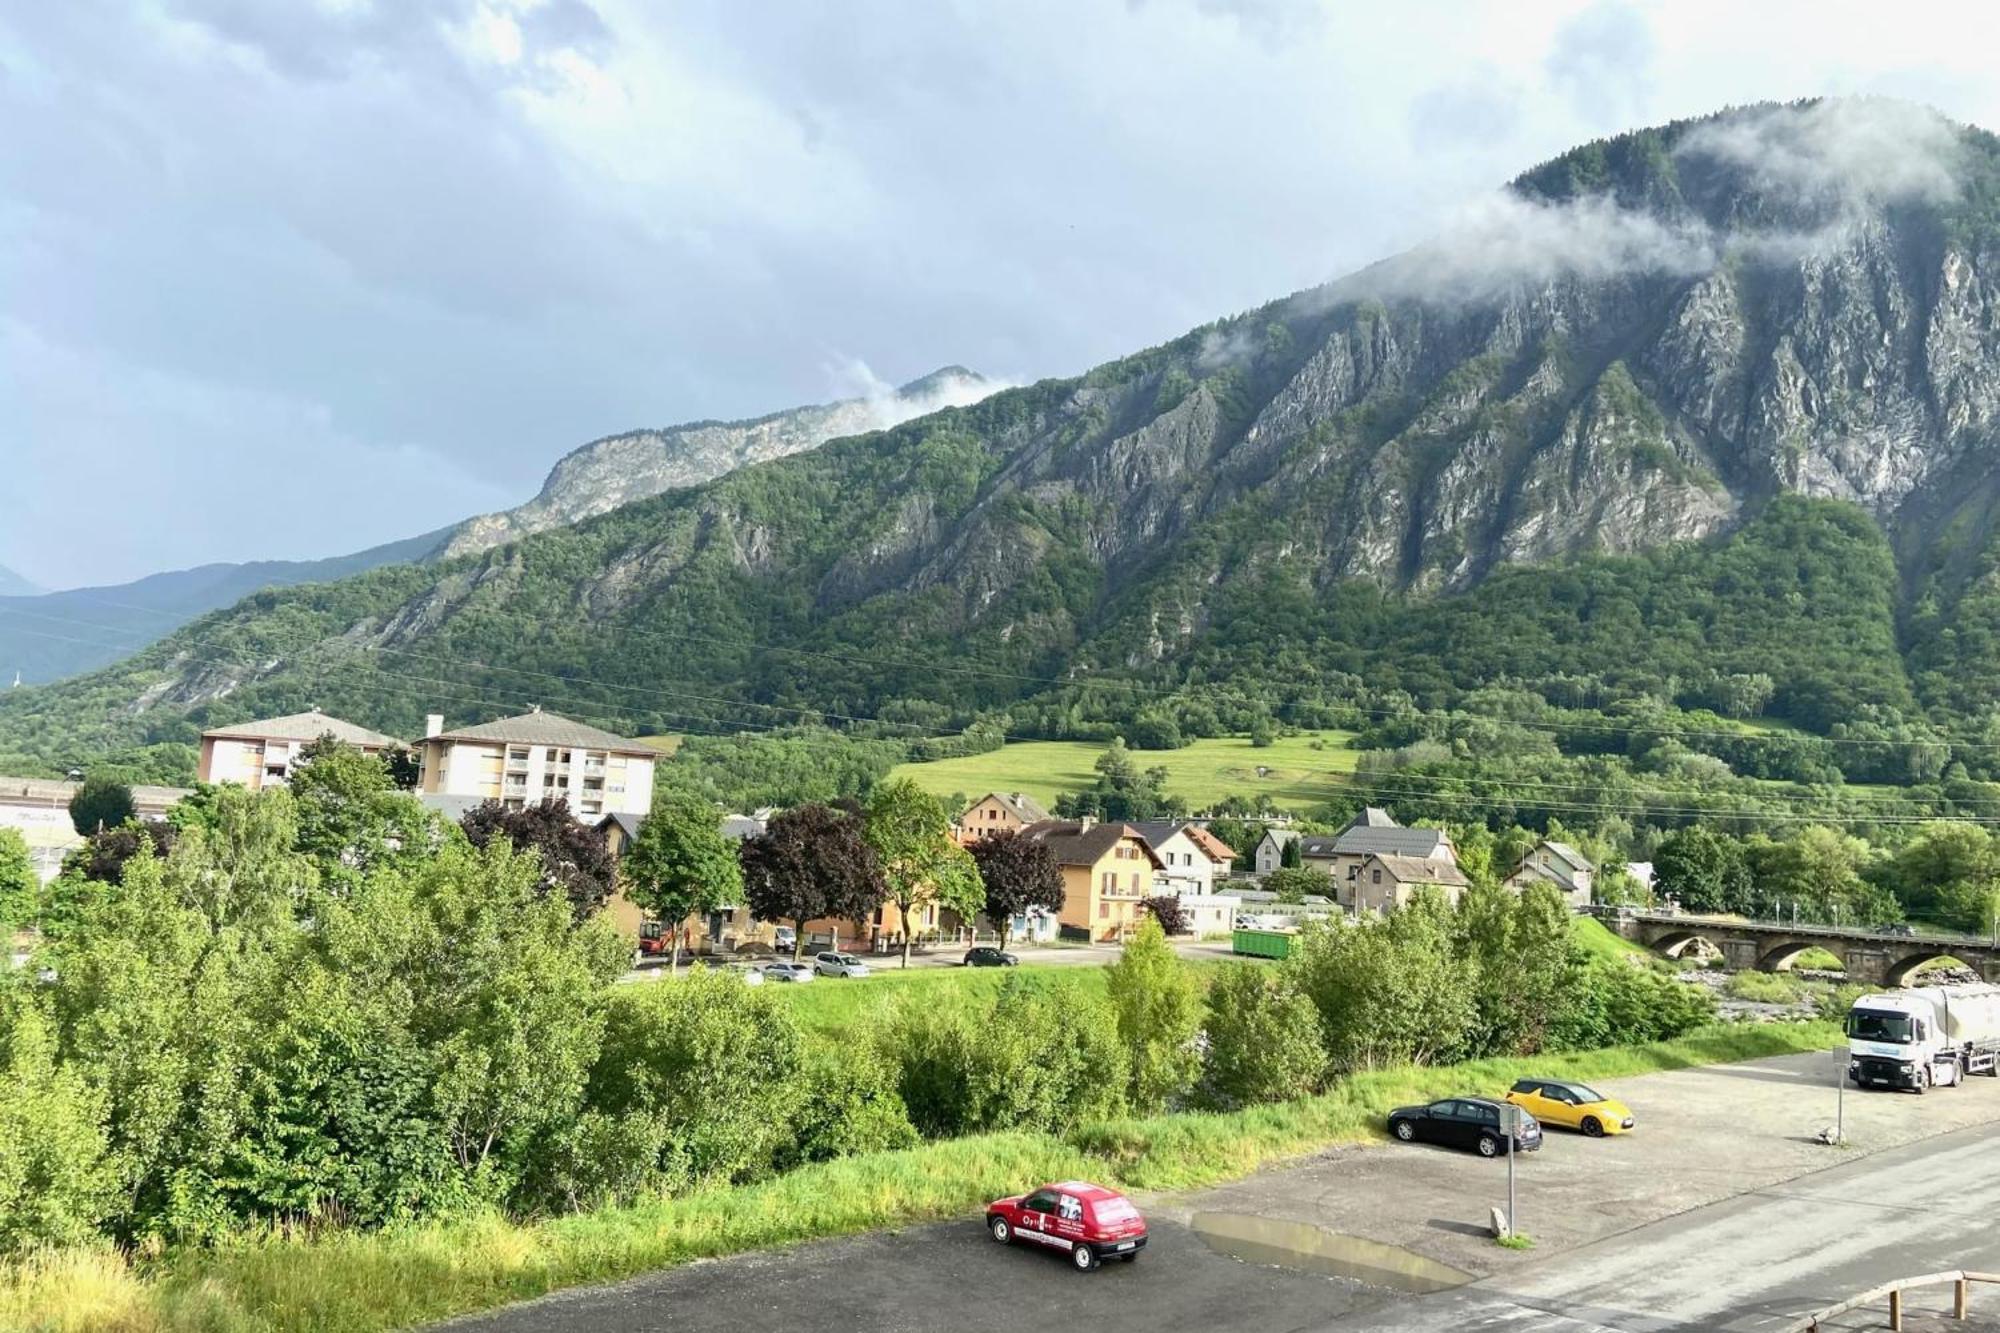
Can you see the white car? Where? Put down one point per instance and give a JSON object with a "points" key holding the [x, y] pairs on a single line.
{"points": [[832, 964], [787, 972], [752, 976]]}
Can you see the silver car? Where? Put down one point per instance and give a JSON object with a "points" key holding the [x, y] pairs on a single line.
{"points": [[831, 964], [784, 971]]}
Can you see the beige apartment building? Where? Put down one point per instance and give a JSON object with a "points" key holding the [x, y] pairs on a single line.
{"points": [[538, 757], [261, 754]]}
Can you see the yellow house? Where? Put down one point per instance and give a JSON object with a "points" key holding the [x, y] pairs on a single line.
{"points": [[261, 754], [999, 812], [1107, 873]]}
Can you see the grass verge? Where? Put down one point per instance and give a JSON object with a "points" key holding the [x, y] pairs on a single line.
{"points": [[360, 1282]]}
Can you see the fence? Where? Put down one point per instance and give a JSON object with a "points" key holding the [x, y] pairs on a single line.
{"points": [[1961, 1302]]}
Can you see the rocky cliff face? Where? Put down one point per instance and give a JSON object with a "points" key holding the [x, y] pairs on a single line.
{"points": [[619, 469], [1642, 342]]}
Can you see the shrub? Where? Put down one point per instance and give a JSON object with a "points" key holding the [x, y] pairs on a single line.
{"points": [[1165, 908], [1611, 1003], [1157, 1001], [1264, 1042], [57, 1179], [849, 1104], [1763, 987]]}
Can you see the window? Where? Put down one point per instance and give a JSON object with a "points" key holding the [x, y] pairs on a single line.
{"points": [[1109, 881], [1041, 1201], [1375, 877], [1879, 1025], [1103, 909]]}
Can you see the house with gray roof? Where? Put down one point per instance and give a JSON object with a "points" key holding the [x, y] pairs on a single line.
{"points": [[1559, 864], [1373, 833], [536, 757], [262, 753], [1386, 881]]}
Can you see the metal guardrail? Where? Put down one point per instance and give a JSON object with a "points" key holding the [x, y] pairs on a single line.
{"points": [[1817, 928], [1961, 1304]]}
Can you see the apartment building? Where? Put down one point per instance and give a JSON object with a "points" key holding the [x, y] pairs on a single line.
{"points": [[38, 808], [538, 757], [262, 753]]}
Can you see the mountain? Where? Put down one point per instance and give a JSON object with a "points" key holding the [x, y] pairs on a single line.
{"points": [[1716, 399], [48, 636], [619, 469], [45, 636]]}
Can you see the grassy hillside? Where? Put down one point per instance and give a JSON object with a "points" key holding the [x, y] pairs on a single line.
{"points": [[1297, 772]]}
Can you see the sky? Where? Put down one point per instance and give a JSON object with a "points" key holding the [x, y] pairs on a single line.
{"points": [[287, 280]]}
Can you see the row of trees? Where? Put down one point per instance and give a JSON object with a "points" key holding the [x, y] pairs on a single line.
{"points": [[1948, 872], [839, 861]]}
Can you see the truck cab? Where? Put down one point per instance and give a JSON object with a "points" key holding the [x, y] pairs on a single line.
{"points": [[1924, 1037]]}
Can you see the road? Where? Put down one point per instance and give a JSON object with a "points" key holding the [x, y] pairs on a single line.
{"points": [[1064, 955], [1720, 1213], [1753, 1262]]}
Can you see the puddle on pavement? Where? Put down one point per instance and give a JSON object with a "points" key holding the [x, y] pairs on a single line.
{"points": [[1269, 1240]]}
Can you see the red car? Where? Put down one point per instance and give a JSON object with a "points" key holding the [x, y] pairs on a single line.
{"points": [[1088, 1222]]}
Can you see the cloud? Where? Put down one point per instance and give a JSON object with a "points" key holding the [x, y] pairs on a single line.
{"points": [[891, 405], [1602, 60], [1505, 241], [1847, 151]]}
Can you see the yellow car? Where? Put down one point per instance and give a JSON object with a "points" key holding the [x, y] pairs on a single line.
{"points": [[1572, 1104]]}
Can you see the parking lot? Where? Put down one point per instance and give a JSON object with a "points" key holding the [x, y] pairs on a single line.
{"points": [[1703, 1135], [1607, 1215]]}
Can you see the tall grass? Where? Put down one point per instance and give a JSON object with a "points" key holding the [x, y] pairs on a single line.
{"points": [[359, 1282]]}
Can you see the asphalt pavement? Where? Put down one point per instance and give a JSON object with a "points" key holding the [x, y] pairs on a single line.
{"points": [[950, 1276]]}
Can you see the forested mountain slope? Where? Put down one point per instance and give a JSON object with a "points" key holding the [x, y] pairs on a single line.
{"points": [[1713, 399]]}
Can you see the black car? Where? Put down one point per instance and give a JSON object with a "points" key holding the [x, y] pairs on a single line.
{"points": [[985, 955], [1466, 1122]]}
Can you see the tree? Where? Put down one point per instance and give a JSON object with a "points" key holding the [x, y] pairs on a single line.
{"points": [[810, 861], [1294, 884], [1158, 1005], [100, 803], [1702, 870], [1392, 990], [404, 768], [1264, 1041], [1517, 949], [1263, 732], [1291, 856], [680, 864], [103, 856], [1019, 873], [1166, 909], [920, 863], [1122, 790], [351, 816], [19, 884], [1155, 731], [576, 863]]}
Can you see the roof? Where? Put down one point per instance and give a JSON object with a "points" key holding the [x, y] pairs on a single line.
{"points": [[1421, 870], [539, 728], [1159, 831], [1083, 1189], [1562, 876], [628, 822], [1077, 844], [1366, 841], [307, 726], [1570, 854], [454, 808], [1281, 836], [146, 799], [740, 827], [1018, 804], [1372, 816]]}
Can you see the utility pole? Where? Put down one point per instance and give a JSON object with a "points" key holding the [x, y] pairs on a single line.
{"points": [[1513, 1132]]}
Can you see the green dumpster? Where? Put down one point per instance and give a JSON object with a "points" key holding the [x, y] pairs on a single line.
{"points": [[1264, 943]]}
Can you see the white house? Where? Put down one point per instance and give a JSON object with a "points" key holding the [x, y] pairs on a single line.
{"points": [[1191, 860], [538, 757], [1270, 853]]}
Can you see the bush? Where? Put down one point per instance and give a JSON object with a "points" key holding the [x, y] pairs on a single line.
{"points": [[1294, 884], [1611, 1003], [57, 1180], [849, 1105], [1264, 1042], [1157, 1001], [1165, 908], [1152, 731], [1034, 1059], [708, 1068]]}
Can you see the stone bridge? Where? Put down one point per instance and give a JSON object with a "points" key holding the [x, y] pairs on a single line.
{"points": [[1874, 958]]}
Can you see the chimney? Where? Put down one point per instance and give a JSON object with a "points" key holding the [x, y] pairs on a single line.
{"points": [[1085, 823], [433, 724]]}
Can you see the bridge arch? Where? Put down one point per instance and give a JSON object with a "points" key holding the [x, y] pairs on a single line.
{"points": [[1675, 942], [1898, 972], [1780, 957]]}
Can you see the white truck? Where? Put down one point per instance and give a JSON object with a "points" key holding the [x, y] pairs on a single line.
{"points": [[1925, 1036]]}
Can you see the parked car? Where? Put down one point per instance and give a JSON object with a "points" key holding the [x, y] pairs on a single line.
{"points": [[832, 964], [1573, 1105], [751, 976], [787, 971], [985, 955], [1087, 1222], [1465, 1122], [784, 938]]}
